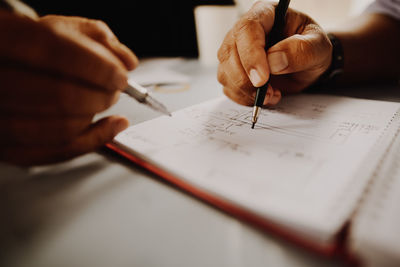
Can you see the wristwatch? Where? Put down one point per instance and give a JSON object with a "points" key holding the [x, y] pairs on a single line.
{"points": [[334, 70], [337, 63], [336, 67]]}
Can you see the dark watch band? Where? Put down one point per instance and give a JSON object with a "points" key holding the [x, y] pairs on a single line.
{"points": [[336, 67]]}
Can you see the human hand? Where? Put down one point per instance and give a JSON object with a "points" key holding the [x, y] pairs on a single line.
{"points": [[295, 62], [56, 73]]}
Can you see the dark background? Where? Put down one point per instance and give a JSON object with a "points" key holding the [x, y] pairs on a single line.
{"points": [[149, 27]]}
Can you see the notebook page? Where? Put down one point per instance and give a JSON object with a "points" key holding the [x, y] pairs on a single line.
{"points": [[292, 169], [375, 234]]}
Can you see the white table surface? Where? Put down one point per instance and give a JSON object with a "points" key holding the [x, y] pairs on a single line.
{"points": [[98, 210]]}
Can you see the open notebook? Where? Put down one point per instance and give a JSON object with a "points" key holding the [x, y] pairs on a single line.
{"points": [[302, 172]]}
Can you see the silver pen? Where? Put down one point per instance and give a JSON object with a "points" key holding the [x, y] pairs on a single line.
{"points": [[141, 94]]}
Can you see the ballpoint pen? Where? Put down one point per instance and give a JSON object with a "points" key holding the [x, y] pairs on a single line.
{"points": [[134, 89], [273, 37]]}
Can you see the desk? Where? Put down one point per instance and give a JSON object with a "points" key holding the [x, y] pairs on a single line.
{"points": [[99, 210]]}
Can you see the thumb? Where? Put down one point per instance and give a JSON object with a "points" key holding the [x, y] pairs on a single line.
{"points": [[98, 134], [95, 136], [299, 53]]}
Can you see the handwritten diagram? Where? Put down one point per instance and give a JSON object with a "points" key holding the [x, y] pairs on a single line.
{"points": [[298, 149], [314, 122]]}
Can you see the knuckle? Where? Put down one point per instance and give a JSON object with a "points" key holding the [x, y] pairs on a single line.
{"points": [[224, 52], [102, 31], [221, 76], [261, 11], [99, 24], [242, 26]]}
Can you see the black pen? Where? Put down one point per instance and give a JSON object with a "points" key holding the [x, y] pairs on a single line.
{"points": [[273, 37]]}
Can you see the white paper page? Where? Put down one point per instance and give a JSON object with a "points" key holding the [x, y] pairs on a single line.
{"points": [[294, 168], [375, 235]]}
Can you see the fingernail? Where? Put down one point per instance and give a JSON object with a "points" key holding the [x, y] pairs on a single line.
{"points": [[277, 62], [255, 78]]}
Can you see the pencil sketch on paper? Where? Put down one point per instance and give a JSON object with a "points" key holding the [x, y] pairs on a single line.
{"points": [[333, 129], [285, 130], [304, 132]]}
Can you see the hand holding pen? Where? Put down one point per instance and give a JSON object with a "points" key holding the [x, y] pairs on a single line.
{"points": [[57, 73], [295, 62], [274, 36]]}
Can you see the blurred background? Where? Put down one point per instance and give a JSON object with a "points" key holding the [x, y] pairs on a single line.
{"points": [[167, 28], [326, 12]]}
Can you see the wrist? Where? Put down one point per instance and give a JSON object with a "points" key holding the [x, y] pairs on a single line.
{"points": [[337, 63], [336, 67]]}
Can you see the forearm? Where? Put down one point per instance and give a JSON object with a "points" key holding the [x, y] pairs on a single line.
{"points": [[371, 45]]}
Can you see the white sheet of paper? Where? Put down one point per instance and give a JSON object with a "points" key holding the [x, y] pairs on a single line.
{"points": [[375, 234], [296, 168]]}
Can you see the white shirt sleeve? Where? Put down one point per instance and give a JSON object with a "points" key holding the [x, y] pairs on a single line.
{"points": [[387, 7]]}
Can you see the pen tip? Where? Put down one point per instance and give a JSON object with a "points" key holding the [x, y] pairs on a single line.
{"points": [[252, 126]]}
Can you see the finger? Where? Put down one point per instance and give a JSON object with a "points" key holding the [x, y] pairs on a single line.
{"points": [[221, 76], [65, 53], [269, 94], [30, 93], [275, 98], [238, 97], [226, 47], [17, 130], [95, 29], [310, 50], [100, 32], [234, 76], [250, 34], [97, 135]]}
